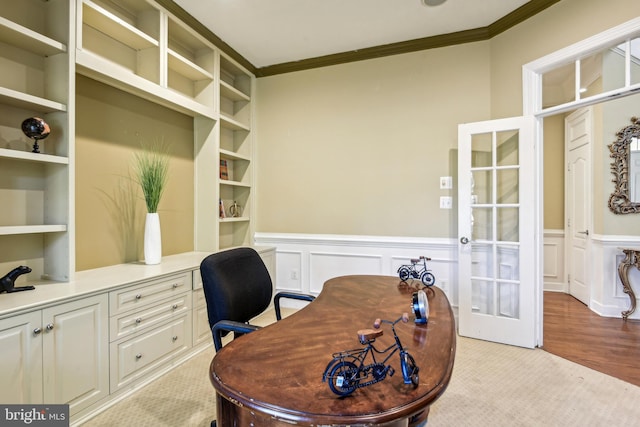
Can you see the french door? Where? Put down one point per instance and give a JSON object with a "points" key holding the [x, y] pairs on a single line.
{"points": [[496, 213]]}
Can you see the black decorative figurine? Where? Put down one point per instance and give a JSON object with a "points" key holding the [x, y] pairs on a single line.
{"points": [[417, 270], [36, 128], [7, 283], [350, 370]]}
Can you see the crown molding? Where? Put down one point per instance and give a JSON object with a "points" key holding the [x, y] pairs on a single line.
{"points": [[519, 15]]}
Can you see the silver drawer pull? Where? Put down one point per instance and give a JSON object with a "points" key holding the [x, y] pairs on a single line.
{"points": [[138, 356], [36, 331], [174, 306], [49, 327], [139, 320], [175, 338], [175, 285], [138, 296]]}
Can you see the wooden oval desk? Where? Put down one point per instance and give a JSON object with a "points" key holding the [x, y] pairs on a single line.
{"points": [[273, 377]]}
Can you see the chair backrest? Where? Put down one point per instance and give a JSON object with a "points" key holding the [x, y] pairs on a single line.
{"points": [[237, 285]]}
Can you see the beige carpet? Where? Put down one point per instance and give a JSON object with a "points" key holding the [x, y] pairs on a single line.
{"points": [[492, 385]]}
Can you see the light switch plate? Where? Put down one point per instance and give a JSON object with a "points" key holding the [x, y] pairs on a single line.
{"points": [[446, 202], [446, 182]]}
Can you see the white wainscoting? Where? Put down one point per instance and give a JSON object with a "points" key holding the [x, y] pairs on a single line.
{"points": [[607, 297], [553, 255], [305, 261]]}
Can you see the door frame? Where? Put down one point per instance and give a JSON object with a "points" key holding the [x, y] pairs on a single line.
{"points": [[532, 105]]}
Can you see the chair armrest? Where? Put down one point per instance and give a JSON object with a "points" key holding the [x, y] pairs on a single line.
{"points": [[229, 326], [290, 295]]}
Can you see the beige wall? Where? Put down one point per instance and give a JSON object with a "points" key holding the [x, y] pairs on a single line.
{"points": [[554, 172], [110, 127], [358, 148]]}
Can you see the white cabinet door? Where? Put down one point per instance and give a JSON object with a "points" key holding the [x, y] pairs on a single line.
{"points": [[75, 348], [201, 329], [21, 355]]}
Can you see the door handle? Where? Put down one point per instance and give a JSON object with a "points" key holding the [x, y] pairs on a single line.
{"points": [[464, 240], [585, 232]]}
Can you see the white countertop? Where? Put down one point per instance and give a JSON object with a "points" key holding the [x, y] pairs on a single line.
{"points": [[88, 282]]}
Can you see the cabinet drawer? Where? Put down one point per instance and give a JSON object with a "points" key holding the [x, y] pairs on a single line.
{"points": [[132, 322], [136, 357], [148, 293]]}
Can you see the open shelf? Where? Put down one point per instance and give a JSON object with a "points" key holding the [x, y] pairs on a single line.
{"points": [[236, 219], [32, 157], [31, 229], [188, 69], [231, 155], [115, 27], [29, 102], [232, 124], [27, 39], [230, 92]]}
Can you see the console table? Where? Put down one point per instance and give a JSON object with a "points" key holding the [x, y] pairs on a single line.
{"points": [[273, 377], [631, 259]]}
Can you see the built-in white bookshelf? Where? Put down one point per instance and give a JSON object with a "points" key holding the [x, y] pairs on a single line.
{"points": [[133, 45], [236, 151], [36, 72]]}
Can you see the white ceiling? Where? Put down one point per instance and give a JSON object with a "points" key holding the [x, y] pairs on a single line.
{"points": [[268, 32]]}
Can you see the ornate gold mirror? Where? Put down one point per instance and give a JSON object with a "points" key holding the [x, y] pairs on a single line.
{"points": [[625, 168]]}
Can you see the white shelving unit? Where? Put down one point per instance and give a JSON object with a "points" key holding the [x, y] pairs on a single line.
{"points": [[133, 45], [140, 47], [236, 149], [36, 79]]}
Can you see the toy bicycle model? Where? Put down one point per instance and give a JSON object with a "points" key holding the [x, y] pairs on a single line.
{"points": [[349, 370], [413, 271]]}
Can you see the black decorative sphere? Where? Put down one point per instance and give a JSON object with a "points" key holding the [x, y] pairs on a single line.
{"points": [[36, 128]]}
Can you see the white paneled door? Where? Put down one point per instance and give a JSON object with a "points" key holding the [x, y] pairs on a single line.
{"points": [[496, 252], [578, 135]]}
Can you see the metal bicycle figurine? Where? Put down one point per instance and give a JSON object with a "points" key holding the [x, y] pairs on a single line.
{"points": [[411, 271], [349, 370]]}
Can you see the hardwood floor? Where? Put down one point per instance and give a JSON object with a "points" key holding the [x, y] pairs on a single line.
{"points": [[574, 332]]}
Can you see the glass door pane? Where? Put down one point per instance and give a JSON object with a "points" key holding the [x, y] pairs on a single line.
{"points": [[495, 216]]}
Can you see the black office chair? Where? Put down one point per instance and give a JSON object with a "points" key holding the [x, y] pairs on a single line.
{"points": [[237, 288]]}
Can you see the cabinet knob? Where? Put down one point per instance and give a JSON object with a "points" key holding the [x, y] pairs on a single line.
{"points": [[138, 356], [139, 320], [175, 285], [49, 327], [174, 306], [175, 338], [138, 296], [36, 331]]}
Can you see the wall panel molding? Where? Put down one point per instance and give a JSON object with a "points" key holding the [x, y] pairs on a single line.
{"points": [[313, 259]]}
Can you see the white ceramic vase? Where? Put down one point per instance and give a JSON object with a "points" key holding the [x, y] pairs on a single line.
{"points": [[152, 239]]}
